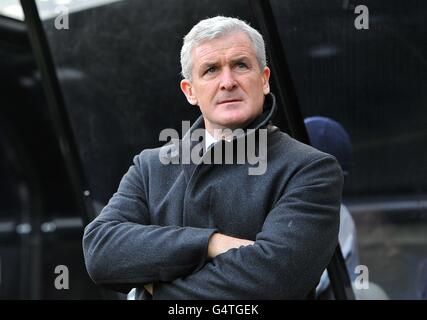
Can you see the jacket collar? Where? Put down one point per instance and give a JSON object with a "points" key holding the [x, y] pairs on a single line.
{"points": [[262, 121]]}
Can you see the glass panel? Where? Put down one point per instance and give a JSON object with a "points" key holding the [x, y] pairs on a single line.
{"points": [[373, 82], [51, 8], [12, 9], [48, 8]]}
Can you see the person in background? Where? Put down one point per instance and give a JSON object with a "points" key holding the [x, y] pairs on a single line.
{"points": [[329, 136]]}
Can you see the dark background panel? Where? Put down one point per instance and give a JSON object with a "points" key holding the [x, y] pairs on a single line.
{"points": [[34, 186], [373, 81]]}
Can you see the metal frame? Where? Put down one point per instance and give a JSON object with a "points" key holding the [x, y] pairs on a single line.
{"points": [[59, 118], [56, 109], [287, 99]]}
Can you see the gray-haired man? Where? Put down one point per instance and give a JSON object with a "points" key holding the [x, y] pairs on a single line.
{"points": [[208, 231]]}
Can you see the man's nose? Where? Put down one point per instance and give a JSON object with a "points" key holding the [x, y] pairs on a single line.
{"points": [[228, 81]]}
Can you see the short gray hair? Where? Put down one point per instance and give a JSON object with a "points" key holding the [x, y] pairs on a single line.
{"points": [[216, 27]]}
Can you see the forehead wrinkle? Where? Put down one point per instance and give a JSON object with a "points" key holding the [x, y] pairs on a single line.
{"points": [[206, 53], [222, 49], [237, 53], [233, 59], [238, 40]]}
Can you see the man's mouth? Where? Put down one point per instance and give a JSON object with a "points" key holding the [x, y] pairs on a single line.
{"points": [[229, 101]]}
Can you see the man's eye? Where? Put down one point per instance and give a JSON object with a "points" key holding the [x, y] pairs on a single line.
{"points": [[241, 65], [210, 70]]}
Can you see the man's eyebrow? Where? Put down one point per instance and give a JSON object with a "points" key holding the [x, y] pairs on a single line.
{"points": [[208, 64], [213, 63], [240, 58]]}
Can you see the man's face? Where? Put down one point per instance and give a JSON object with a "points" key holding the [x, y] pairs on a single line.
{"points": [[227, 83]]}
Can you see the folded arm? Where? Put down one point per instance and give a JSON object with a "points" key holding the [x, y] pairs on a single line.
{"points": [[218, 244], [123, 250], [289, 255]]}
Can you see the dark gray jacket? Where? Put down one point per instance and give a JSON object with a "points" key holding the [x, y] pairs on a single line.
{"points": [[156, 227]]}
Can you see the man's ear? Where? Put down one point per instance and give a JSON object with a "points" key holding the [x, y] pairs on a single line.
{"points": [[187, 89], [265, 79]]}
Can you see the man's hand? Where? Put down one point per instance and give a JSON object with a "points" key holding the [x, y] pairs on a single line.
{"points": [[220, 243], [149, 288]]}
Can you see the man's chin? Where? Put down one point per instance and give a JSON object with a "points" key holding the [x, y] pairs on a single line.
{"points": [[234, 122]]}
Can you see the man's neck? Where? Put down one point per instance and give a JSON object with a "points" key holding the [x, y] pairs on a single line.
{"points": [[209, 139], [220, 133]]}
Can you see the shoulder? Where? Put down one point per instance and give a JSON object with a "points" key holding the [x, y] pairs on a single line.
{"points": [[298, 161], [155, 157], [287, 147]]}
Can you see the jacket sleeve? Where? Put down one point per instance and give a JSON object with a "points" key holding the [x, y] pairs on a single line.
{"points": [[123, 250], [290, 253]]}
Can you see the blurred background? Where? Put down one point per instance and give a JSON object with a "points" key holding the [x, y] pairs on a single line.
{"points": [[77, 103]]}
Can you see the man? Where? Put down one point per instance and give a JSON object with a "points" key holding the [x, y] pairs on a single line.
{"points": [[200, 230]]}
